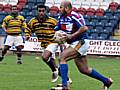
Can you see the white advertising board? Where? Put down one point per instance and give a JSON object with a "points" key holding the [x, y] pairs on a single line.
{"points": [[104, 47], [101, 47]]}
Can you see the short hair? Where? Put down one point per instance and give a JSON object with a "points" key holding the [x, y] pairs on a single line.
{"points": [[41, 6]]}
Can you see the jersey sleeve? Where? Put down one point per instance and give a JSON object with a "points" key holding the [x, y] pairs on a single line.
{"points": [[25, 27], [4, 24], [79, 20]]}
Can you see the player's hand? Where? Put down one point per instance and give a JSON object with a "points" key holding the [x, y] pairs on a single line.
{"points": [[68, 37], [60, 40]]}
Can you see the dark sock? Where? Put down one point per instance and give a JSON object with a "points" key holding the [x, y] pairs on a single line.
{"points": [[18, 58], [4, 52], [51, 64], [98, 76], [64, 73]]}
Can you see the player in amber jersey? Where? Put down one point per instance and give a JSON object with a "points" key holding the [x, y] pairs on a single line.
{"points": [[14, 24], [43, 26]]}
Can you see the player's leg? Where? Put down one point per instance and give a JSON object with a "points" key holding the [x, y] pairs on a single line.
{"points": [[60, 50], [4, 51], [7, 44], [19, 44], [82, 66], [48, 58], [81, 62], [19, 53], [67, 54]]}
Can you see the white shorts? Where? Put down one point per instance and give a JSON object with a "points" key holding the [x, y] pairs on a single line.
{"points": [[52, 48], [82, 49], [14, 40]]}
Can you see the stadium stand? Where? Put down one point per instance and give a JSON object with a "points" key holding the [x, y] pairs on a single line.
{"points": [[99, 12], [1, 7], [76, 4], [13, 2], [102, 17], [81, 10], [49, 3], [104, 5], [113, 6], [95, 5], [90, 11], [85, 4]]}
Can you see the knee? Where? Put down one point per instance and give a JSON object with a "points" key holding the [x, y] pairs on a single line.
{"points": [[19, 48], [46, 55], [6, 48], [63, 59], [84, 71], [45, 58]]}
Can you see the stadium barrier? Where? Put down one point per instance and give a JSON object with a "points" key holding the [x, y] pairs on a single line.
{"points": [[96, 47]]}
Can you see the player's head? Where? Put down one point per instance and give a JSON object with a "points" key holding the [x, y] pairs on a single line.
{"points": [[65, 7], [41, 9], [14, 10]]}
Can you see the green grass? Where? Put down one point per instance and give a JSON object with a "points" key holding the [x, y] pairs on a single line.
{"points": [[35, 74]]}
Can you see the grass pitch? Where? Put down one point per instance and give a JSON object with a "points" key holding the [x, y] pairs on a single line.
{"points": [[34, 74]]}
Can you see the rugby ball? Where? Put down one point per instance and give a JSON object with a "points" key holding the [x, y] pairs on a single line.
{"points": [[60, 34]]}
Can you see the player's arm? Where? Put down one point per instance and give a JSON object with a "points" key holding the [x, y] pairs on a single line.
{"points": [[27, 33], [4, 24], [26, 28], [80, 23], [76, 34]]}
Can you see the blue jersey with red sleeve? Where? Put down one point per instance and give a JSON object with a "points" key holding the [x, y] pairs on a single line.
{"points": [[71, 23]]}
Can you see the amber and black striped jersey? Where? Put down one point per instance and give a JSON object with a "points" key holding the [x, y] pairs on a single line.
{"points": [[14, 25], [44, 31]]}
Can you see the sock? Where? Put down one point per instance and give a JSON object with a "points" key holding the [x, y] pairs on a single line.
{"points": [[19, 54], [64, 73], [60, 74], [51, 64], [98, 76], [4, 52], [18, 58]]}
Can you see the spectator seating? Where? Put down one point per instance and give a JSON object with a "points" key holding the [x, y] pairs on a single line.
{"points": [[104, 19], [90, 11], [13, 2], [74, 9], [54, 11], [7, 8], [40, 1], [81, 10], [57, 3], [117, 13], [95, 19], [1, 7], [49, 3], [104, 5], [76, 4], [101, 18], [95, 5], [108, 12], [22, 2], [86, 4], [114, 20], [99, 12], [113, 6]]}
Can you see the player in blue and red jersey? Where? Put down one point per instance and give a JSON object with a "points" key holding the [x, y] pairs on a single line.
{"points": [[74, 25]]}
